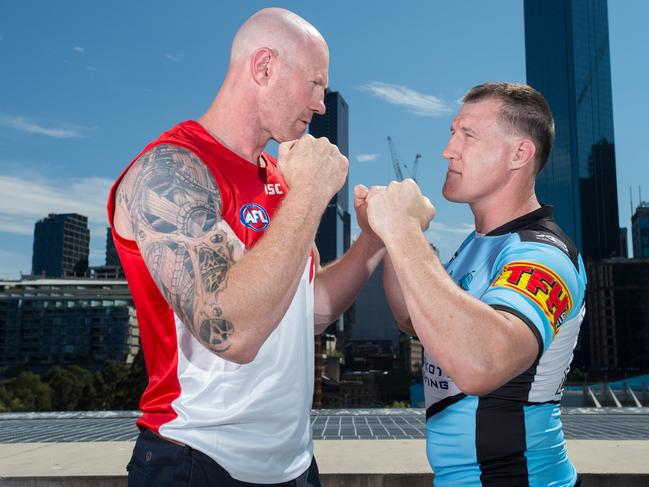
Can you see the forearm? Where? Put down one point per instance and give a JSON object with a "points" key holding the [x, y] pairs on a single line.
{"points": [[465, 337], [262, 284], [338, 284], [394, 294]]}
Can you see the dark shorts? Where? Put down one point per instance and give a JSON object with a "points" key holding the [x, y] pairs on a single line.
{"points": [[157, 462]]}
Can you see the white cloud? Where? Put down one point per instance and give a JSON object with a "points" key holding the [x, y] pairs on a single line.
{"points": [[62, 131], [27, 200], [79, 49], [174, 56], [418, 103], [366, 157]]}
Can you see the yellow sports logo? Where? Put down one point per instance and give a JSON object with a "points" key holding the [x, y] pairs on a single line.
{"points": [[542, 286]]}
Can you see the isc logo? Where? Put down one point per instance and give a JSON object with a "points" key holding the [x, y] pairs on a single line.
{"points": [[273, 188], [254, 216]]}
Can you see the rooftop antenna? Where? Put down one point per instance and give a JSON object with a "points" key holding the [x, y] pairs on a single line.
{"points": [[631, 199]]}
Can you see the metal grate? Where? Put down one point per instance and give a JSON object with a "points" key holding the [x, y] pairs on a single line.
{"points": [[332, 424]]}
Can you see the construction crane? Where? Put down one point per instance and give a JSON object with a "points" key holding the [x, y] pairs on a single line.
{"points": [[396, 163]]}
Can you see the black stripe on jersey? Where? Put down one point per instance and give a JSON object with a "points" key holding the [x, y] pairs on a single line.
{"points": [[443, 404], [525, 320], [500, 442], [539, 226], [533, 403], [500, 432]]}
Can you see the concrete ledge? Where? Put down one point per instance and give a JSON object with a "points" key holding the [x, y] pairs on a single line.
{"points": [[343, 463]]}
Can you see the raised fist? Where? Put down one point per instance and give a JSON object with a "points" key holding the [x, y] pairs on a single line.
{"points": [[314, 166], [398, 208]]}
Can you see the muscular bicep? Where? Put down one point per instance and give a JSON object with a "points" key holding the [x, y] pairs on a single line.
{"points": [[174, 208], [523, 346]]}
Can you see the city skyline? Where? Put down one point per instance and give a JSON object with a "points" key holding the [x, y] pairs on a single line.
{"points": [[84, 100]]}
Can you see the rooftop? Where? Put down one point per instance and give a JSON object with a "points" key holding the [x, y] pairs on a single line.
{"points": [[327, 424]]}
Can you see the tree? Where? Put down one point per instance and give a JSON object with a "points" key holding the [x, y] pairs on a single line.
{"points": [[73, 388], [29, 393]]}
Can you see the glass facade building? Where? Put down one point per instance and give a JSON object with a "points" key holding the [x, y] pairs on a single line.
{"points": [[640, 231], [61, 246], [568, 61], [334, 233]]}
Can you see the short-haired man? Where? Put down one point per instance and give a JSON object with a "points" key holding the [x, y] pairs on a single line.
{"points": [[217, 242], [500, 322]]}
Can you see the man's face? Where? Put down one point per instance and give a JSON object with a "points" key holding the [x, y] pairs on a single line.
{"points": [[477, 153], [297, 94]]}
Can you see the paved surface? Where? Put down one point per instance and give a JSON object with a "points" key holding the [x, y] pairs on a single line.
{"points": [[353, 424], [356, 462]]}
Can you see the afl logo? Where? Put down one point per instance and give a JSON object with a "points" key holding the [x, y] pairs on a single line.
{"points": [[254, 216]]}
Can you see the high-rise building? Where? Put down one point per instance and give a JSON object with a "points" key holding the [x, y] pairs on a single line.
{"points": [[333, 237], [640, 231], [568, 61], [624, 242], [334, 233], [113, 267], [617, 297], [61, 246], [111, 252], [374, 320]]}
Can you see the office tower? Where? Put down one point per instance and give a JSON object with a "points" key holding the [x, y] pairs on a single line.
{"points": [[333, 237], [61, 246], [640, 231], [374, 320], [111, 252], [113, 267], [617, 297], [334, 233], [568, 61], [624, 242]]}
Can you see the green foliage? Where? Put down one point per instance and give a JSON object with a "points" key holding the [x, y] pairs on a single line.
{"points": [[73, 387], [115, 387], [27, 392], [399, 405]]}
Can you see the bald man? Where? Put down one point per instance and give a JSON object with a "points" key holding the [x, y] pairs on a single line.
{"points": [[216, 238]]}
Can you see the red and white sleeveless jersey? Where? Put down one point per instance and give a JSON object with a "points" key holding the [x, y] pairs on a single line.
{"points": [[252, 419]]}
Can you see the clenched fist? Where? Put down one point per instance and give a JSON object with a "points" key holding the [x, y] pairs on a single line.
{"points": [[314, 166], [398, 208]]}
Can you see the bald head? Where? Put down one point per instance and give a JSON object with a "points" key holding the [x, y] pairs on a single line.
{"points": [[280, 30]]}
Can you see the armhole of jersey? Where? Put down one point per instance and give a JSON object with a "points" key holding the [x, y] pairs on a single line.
{"points": [[527, 321]]}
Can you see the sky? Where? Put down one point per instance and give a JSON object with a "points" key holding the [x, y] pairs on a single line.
{"points": [[84, 86]]}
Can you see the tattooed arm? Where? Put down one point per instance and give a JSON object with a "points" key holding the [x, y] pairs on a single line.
{"points": [[230, 302]]}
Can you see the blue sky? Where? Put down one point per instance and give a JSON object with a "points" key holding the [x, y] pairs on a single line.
{"points": [[85, 85]]}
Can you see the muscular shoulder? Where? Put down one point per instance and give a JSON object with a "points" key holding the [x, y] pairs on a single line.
{"points": [[175, 183]]}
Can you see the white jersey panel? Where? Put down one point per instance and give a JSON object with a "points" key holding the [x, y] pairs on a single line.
{"points": [[252, 419], [437, 385], [554, 365]]}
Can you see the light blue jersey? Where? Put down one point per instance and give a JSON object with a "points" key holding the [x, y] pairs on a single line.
{"points": [[512, 436]]}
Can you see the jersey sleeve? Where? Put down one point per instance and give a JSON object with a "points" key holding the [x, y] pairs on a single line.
{"points": [[537, 283]]}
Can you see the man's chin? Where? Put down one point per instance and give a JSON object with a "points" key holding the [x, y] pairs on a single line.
{"points": [[449, 195]]}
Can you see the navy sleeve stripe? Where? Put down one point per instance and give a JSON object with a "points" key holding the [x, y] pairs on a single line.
{"points": [[525, 320], [443, 404]]}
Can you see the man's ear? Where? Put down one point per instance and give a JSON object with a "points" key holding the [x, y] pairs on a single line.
{"points": [[524, 152], [261, 64]]}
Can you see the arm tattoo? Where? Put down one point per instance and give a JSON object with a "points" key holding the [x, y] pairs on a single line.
{"points": [[175, 210]]}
